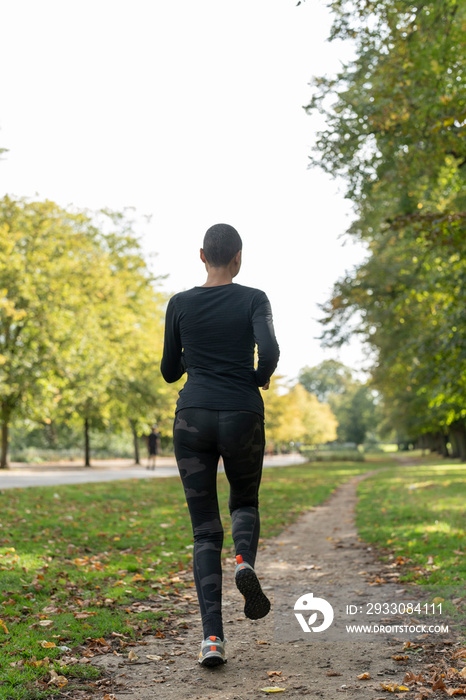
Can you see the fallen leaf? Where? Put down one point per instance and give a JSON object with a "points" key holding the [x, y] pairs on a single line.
{"points": [[333, 673], [273, 689], [274, 673], [410, 645], [392, 687], [455, 691], [463, 672], [4, 627], [153, 657], [132, 656], [364, 676], [138, 577], [57, 680], [45, 623], [388, 686], [423, 694], [47, 645], [411, 678], [37, 664], [438, 684]]}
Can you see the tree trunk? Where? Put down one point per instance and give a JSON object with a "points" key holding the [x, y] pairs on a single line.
{"points": [[430, 443], [135, 441], [87, 445], [421, 443], [455, 449], [4, 452], [442, 444], [460, 434], [51, 434]]}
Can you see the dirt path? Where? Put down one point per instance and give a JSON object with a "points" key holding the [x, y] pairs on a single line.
{"points": [[319, 553]]}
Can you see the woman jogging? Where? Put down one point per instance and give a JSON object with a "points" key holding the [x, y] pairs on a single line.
{"points": [[211, 332]]}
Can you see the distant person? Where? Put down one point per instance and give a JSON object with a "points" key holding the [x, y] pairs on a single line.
{"points": [[211, 332], [153, 447]]}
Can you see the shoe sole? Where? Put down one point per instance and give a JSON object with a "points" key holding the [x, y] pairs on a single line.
{"points": [[256, 603], [211, 661]]}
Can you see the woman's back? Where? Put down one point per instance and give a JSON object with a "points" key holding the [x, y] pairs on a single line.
{"points": [[217, 328]]}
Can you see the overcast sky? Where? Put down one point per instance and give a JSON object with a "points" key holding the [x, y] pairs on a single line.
{"points": [[191, 112]]}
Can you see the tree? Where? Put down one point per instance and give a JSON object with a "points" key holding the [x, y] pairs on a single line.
{"points": [[351, 401], [36, 261], [77, 303], [328, 378], [294, 416], [356, 412], [396, 118]]}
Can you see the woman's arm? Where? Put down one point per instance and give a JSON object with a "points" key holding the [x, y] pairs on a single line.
{"points": [[264, 336], [173, 364]]}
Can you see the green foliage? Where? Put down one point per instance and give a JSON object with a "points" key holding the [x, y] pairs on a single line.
{"points": [[400, 105], [81, 321], [396, 121], [326, 379], [293, 415], [357, 413], [351, 401]]}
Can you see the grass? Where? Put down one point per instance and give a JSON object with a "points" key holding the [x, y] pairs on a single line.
{"points": [[94, 567], [78, 562], [417, 514]]}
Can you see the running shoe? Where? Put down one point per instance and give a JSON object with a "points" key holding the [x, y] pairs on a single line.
{"points": [[212, 652], [256, 603]]}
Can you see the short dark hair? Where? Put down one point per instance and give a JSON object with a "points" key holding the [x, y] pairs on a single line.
{"points": [[221, 243]]}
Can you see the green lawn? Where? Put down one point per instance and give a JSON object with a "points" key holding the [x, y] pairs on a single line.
{"points": [[82, 564], [416, 516], [418, 512], [96, 566]]}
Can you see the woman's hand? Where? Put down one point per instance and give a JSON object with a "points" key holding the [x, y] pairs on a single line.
{"points": [[266, 386]]}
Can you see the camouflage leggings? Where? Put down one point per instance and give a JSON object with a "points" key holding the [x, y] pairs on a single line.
{"points": [[200, 436]]}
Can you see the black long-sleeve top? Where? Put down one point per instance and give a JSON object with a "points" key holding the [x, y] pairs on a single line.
{"points": [[211, 333]]}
